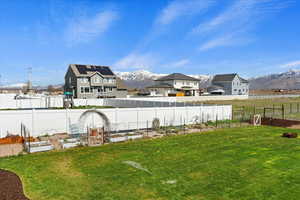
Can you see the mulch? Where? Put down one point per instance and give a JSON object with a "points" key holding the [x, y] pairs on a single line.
{"points": [[280, 122], [11, 186]]}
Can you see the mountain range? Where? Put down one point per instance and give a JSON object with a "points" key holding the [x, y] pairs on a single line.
{"points": [[284, 80], [142, 78]]}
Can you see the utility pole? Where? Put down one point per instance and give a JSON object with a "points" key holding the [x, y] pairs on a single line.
{"points": [[29, 83]]}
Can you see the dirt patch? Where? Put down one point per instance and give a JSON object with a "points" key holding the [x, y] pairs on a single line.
{"points": [[11, 186], [280, 122]]}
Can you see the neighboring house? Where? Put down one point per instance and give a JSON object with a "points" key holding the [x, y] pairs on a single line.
{"points": [[91, 81], [229, 84], [175, 85]]}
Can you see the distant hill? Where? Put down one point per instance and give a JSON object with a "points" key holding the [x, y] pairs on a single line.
{"points": [[285, 80]]}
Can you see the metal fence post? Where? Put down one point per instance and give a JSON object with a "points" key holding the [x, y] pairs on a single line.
{"points": [[282, 110]]}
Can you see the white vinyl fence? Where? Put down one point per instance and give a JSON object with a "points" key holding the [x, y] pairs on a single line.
{"points": [[7, 101], [41, 122]]}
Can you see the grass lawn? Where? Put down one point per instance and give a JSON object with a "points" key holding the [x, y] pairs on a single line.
{"points": [[237, 164]]}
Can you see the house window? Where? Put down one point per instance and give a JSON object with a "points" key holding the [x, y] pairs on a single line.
{"points": [[96, 80], [84, 80], [85, 90]]}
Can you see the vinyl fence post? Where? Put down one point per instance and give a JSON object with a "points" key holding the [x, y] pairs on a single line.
{"points": [[32, 121]]}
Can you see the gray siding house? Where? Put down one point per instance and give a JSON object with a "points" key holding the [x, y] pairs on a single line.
{"points": [[91, 81], [229, 84]]}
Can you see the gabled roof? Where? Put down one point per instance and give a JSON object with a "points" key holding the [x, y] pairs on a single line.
{"points": [[224, 77], [177, 76], [227, 77], [243, 80], [89, 70]]}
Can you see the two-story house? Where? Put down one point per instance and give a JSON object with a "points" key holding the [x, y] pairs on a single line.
{"points": [[229, 84], [91, 81], [176, 84]]}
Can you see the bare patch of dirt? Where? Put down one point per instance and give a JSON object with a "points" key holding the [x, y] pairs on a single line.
{"points": [[11, 186]]}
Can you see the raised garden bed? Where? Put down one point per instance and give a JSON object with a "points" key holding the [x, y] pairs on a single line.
{"points": [[41, 146], [122, 138], [70, 143]]}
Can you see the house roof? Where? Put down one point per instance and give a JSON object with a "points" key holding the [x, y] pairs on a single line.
{"points": [[243, 80], [161, 85], [224, 77], [227, 77], [177, 76], [89, 70]]}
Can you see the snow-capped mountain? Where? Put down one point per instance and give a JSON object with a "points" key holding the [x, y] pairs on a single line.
{"points": [[284, 80], [139, 75], [146, 75], [143, 78], [14, 85]]}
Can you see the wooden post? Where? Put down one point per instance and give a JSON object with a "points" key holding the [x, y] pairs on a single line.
{"points": [[291, 105], [297, 107], [264, 112], [217, 121], [273, 110]]}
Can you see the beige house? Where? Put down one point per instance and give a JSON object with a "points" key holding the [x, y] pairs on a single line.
{"points": [[176, 84]]}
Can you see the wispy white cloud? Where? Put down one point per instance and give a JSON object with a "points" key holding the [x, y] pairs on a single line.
{"points": [[223, 41], [179, 63], [291, 64], [243, 13], [84, 29], [136, 61], [180, 8], [238, 20]]}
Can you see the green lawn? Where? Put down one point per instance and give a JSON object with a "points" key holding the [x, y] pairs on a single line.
{"points": [[237, 164]]}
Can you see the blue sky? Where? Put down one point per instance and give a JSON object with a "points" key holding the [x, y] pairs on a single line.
{"points": [[251, 37]]}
